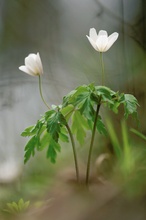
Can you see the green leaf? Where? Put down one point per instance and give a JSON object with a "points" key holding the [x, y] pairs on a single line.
{"points": [[14, 208], [49, 113], [45, 133], [114, 139], [79, 91], [138, 133], [35, 129], [130, 105], [85, 99], [52, 150], [78, 95], [54, 124], [20, 204], [29, 131], [79, 126], [105, 93], [45, 140], [67, 111], [81, 98], [100, 126], [26, 204], [87, 109], [94, 97], [67, 98], [30, 148], [116, 101], [63, 135]]}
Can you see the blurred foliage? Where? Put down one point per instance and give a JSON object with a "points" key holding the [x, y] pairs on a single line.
{"points": [[129, 163], [15, 208]]}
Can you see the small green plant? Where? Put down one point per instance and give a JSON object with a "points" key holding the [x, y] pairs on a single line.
{"points": [[79, 111], [129, 164], [16, 208], [122, 151]]}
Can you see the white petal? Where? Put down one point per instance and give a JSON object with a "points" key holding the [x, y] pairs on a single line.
{"points": [[101, 42], [102, 33], [93, 34], [111, 39], [24, 69], [92, 43], [31, 64], [33, 55], [39, 63]]}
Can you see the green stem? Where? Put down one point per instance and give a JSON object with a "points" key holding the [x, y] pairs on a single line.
{"points": [[40, 88], [74, 151], [102, 68], [91, 144]]}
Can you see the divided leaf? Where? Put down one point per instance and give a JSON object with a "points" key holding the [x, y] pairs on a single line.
{"points": [[130, 105], [79, 126], [46, 133], [67, 111], [53, 148], [105, 93], [79, 106], [54, 124], [100, 126], [63, 135], [30, 149], [15, 208], [87, 108]]}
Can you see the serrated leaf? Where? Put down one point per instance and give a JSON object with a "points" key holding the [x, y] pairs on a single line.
{"points": [[49, 113], [85, 102], [94, 97], [79, 126], [20, 204], [63, 135], [44, 141], [80, 90], [68, 97], [52, 150], [14, 208], [54, 124], [87, 109], [47, 130], [67, 111], [81, 98], [130, 105], [72, 97], [100, 126], [35, 129], [30, 149], [105, 93], [29, 131]]}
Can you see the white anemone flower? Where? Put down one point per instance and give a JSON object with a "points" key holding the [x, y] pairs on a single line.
{"points": [[33, 65], [101, 41]]}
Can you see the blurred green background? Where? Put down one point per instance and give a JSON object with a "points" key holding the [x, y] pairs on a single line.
{"points": [[57, 30]]}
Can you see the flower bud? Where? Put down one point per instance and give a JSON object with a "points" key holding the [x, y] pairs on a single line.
{"points": [[33, 65]]}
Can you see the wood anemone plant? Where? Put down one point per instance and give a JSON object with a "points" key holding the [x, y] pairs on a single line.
{"points": [[78, 113]]}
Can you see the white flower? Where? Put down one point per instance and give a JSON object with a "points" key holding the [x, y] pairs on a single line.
{"points": [[101, 42], [33, 65]]}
